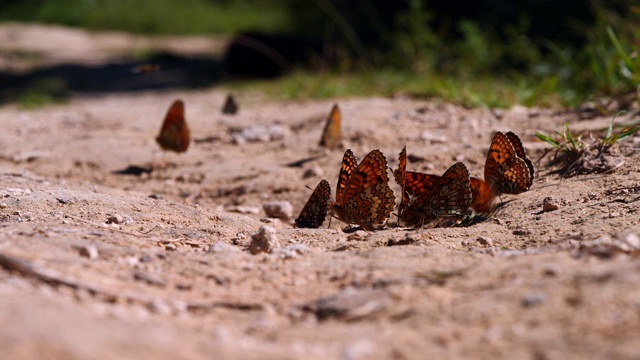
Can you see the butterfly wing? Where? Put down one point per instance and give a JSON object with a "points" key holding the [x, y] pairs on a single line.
{"points": [[367, 199], [499, 151], [517, 146], [449, 196], [174, 134], [331, 136], [417, 183], [399, 176], [315, 210], [452, 192], [512, 176], [349, 164]]}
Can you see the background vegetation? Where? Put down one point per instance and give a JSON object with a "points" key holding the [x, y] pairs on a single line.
{"points": [[479, 53]]}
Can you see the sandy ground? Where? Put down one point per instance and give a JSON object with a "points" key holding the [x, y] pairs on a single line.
{"points": [[97, 264]]}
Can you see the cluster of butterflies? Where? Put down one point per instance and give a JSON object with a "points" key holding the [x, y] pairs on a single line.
{"points": [[174, 133], [364, 198]]}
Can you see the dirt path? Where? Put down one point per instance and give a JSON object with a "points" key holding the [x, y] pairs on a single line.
{"points": [[101, 264]]}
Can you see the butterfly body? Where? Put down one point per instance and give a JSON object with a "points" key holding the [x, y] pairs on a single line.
{"points": [[174, 134], [315, 210], [363, 195]]}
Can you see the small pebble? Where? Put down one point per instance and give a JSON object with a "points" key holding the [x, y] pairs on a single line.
{"points": [[291, 251], [88, 251], [533, 300], [160, 307], [223, 248], [632, 240], [115, 219], [170, 247], [243, 209], [149, 278], [433, 138], [3, 205], [278, 209], [261, 133], [132, 260], [483, 240], [548, 204], [264, 240]]}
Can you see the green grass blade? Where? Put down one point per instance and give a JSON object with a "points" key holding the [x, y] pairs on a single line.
{"points": [[627, 60], [547, 139]]}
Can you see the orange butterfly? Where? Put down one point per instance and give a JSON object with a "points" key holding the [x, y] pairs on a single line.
{"points": [[174, 134], [363, 195], [507, 169], [428, 197], [331, 136], [315, 210]]}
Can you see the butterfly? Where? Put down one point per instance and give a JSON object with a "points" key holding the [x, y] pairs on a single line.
{"points": [[363, 195], [416, 183], [435, 196], [315, 210], [411, 183], [331, 137], [174, 134], [507, 169], [230, 105]]}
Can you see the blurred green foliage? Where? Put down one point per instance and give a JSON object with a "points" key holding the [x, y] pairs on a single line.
{"points": [[537, 55], [153, 16]]}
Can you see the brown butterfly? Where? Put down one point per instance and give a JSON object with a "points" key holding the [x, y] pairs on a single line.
{"points": [[315, 210], [230, 105], [411, 183], [331, 136], [416, 183], [174, 134], [507, 169], [363, 195], [443, 196]]}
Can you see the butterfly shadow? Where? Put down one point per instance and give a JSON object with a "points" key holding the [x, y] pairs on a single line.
{"points": [[134, 170]]}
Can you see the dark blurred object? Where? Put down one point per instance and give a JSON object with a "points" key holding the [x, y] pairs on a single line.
{"points": [[375, 21], [269, 56], [230, 105], [359, 32], [164, 71]]}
